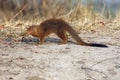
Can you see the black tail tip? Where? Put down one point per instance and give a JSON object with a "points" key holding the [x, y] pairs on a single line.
{"points": [[98, 45]]}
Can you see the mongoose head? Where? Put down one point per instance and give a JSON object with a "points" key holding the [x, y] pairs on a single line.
{"points": [[30, 30]]}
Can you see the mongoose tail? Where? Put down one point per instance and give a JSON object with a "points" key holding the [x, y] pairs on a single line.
{"points": [[73, 33]]}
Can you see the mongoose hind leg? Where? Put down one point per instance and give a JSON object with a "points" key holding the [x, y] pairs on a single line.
{"points": [[63, 36]]}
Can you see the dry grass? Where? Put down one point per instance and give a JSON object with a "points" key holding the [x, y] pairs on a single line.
{"points": [[82, 18]]}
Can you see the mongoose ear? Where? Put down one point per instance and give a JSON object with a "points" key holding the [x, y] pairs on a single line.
{"points": [[27, 27]]}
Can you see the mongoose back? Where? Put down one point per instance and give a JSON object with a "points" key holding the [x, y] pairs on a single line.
{"points": [[60, 28]]}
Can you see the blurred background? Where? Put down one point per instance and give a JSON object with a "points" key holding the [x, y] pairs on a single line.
{"points": [[83, 15], [26, 9]]}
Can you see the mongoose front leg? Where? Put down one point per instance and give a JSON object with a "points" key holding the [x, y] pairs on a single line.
{"points": [[41, 40]]}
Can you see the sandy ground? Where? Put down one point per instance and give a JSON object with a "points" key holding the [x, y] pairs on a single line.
{"points": [[51, 61]]}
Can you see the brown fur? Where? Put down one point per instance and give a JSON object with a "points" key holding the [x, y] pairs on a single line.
{"points": [[59, 27]]}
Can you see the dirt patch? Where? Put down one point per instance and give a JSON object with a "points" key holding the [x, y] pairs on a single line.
{"points": [[51, 61]]}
